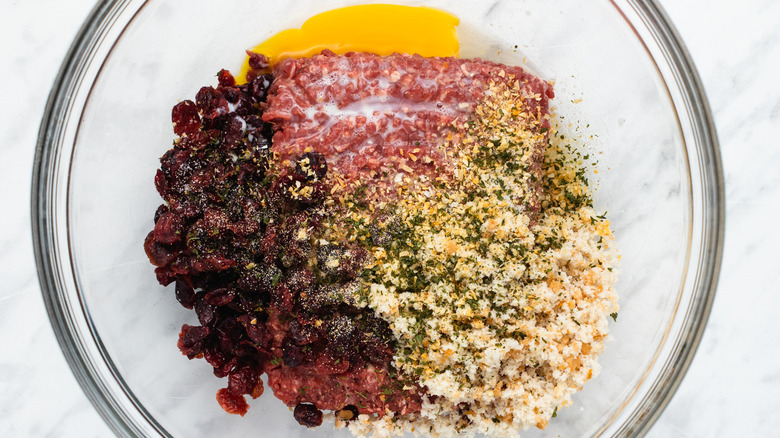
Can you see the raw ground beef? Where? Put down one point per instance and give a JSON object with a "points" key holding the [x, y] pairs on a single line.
{"points": [[364, 112]]}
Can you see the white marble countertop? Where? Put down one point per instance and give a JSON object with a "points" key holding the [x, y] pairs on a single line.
{"points": [[733, 384]]}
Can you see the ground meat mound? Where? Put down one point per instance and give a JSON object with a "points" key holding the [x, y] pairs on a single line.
{"points": [[370, 116]]}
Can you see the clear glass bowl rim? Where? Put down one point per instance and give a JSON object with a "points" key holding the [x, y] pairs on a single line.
{"points": [[119, 420]]}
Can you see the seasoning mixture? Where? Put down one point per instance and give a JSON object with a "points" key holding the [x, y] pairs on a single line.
{"points": [[400, 240]]}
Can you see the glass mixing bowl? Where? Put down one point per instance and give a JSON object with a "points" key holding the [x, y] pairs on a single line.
{"points": [[623, 81]]}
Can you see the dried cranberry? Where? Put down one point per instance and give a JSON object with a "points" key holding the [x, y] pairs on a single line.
{"points": [[219, 297], [211, 263], [164, 275], [231, 403], [340, 262], [177, 166], [185, 294], [300, 279], [292, 354], [185, 118], [245, 305], [229, 331], [311, 166], [257, 61], [204, 311], [376, 349], [199, 140], [255, 330], [260, 85], [161, 210], [307, 415], [260, 278], [186, 210], [226, 367], [245, 227], [213, 104], [270, 244], [233, 133], [168, 228], [200, 180], [205, 98], [161, 184], [258, 141], [341, 337], [214, 357], [158, 254], [191, 340], [281, 298], [243, 380], [253, 122], [225, 78], [180, 266], [215, 221], [303, 334], [246, 173], [232, 94], [268, 128]]}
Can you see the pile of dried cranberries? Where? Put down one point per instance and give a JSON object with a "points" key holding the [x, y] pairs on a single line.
{"points": [[237, 234]]}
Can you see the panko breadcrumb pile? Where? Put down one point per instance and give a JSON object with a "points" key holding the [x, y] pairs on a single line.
{"points": [[496, 277]]}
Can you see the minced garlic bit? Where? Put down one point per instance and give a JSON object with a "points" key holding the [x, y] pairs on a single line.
{"points": [[496, 277]]}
